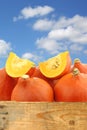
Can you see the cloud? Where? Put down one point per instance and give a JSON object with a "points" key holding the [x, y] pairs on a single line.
{"points": [[33, 57], [43, 24], [64, 33], [50, 45], [29, 12], [78, 22], [76, 47], [27, 55], [69, 33], [5, 48], [85, 52]]}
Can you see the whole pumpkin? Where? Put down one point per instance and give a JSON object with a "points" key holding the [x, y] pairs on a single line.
{"points": [[72, 87], [32, 89], [7, 84]]}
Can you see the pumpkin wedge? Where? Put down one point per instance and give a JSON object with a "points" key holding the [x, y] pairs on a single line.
{"points": [[16, 66], [56, 66]]}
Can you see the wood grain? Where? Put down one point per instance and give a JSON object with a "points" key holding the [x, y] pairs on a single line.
{"points": [[43, 116]]}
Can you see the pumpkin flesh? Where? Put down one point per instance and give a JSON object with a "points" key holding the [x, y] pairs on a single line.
{"points": [[56, 66], [16, 66]]}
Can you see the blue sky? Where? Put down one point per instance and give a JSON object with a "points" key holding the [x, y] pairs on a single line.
{"points": [[39, 29]]}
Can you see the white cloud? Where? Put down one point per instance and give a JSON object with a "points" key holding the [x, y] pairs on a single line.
{"points": [[28, 55], [65, 33], [69, 33], [78, 22], [76, 47], [29, 12], [5, 47], [85, 51], [50, 45], [82, 38], [43, 25], [32, 57], [17, 18], [44, 43]]}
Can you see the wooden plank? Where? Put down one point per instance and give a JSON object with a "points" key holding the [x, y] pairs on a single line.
{"points": [[43, 116]]}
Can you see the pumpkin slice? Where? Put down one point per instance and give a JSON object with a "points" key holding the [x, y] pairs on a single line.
{"points": [[56, 66], [16, 66]]}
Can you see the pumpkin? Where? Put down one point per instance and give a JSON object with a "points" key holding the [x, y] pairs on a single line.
{"points": [[37, 73], [16, 66], [56, 66], [72, 87], [31, 71], [7, 84], [81, 66], [32, 89]]}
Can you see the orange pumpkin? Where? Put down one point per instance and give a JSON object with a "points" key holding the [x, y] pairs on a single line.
{"points": [[31, 71], [37, 73], [32, 89], [81, 66], [71, 87], [57, 66], [7, 84]]}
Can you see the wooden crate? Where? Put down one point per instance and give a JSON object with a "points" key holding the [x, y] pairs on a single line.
{"points": [[43, 116]]}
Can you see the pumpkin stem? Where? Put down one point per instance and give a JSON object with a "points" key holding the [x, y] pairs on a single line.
{"points": [[25, 76], [76, 71], [77, 60]]}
